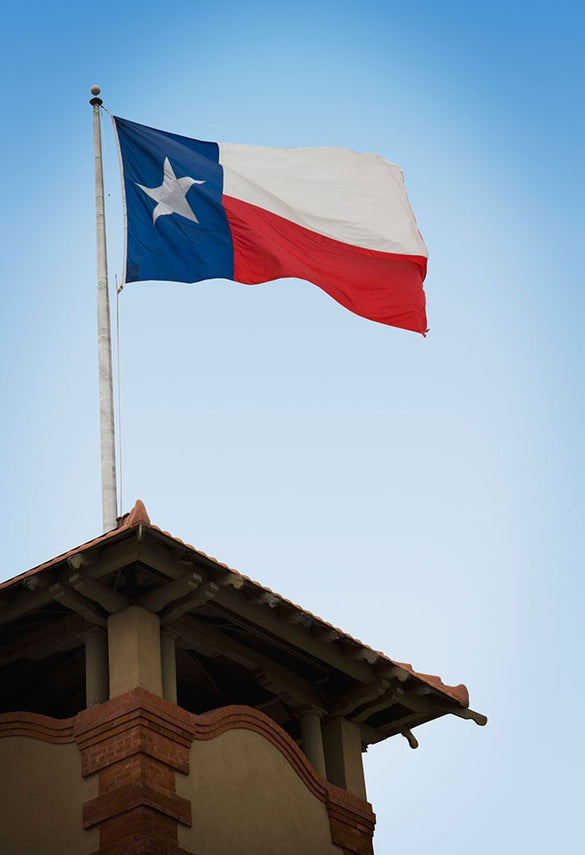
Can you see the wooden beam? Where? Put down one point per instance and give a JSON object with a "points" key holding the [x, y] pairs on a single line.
{"points": [[353, 650], [199, 597], [76, 602], [279, 688], [466, 713], [392, 695], [300, 691], [158, 553], [422, 708], [371, 735], [84, 559], [112, 601], [225, 578], [35, 583], [296, 635], [326, 634], [54, 637], [156, 599], [222, 576], [162, 557], [409, 736], [308, 634], [393, 672], [440, 702], [197, 670], [262, 598], [349, 702], [296, 617], [408, 721], [426, 703], [23, 602], [113, 557], [33, 593], [188, 556], [419, 711]]}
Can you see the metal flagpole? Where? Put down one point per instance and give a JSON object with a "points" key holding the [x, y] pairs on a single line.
{"points": [[106, 387]]}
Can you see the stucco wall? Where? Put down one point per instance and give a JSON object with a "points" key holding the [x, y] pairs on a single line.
{"points": [[41, 793], [248, 800]]}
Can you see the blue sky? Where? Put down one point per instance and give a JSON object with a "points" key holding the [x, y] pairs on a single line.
{"points": [[423, 494]]}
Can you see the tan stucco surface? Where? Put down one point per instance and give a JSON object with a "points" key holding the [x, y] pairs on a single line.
{"points": [[134, 651], [248, 800], [41, 793]]}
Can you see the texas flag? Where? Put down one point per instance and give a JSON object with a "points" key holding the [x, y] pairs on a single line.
{"points": [[203, 210]]}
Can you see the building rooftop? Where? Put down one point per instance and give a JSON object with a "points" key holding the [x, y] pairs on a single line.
{"points": [[237, 641]]}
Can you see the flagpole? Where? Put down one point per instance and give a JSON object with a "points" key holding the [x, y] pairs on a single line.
{"points": [[106, 386]]}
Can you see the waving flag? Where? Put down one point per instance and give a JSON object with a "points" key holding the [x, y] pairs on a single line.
{"points": [[203, 210]]}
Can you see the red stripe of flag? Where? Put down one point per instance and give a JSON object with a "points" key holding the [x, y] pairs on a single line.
{"points": [[379, 286]]}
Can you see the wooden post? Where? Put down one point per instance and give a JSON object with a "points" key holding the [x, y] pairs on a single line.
{"points": [[168, 665], [312, 739], [343, 755], [96, 667]]}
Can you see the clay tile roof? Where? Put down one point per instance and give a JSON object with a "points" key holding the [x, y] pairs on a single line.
{"points": [[139, 516], [458, 693]]}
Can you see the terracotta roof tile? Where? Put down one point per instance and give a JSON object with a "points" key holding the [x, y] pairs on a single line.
{"points": [[103, 538], [139, 516]]}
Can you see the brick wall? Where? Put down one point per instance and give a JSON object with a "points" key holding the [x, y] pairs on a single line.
{"points": [[137, 742]]}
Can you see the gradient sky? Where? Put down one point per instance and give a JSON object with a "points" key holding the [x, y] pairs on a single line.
{"points": [[423, 494]]}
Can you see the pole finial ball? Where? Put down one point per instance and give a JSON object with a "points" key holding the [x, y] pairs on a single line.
{"points": [[95, 90]]}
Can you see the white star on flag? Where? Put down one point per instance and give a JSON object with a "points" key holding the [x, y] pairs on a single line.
{"points": [[171, 194]]}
